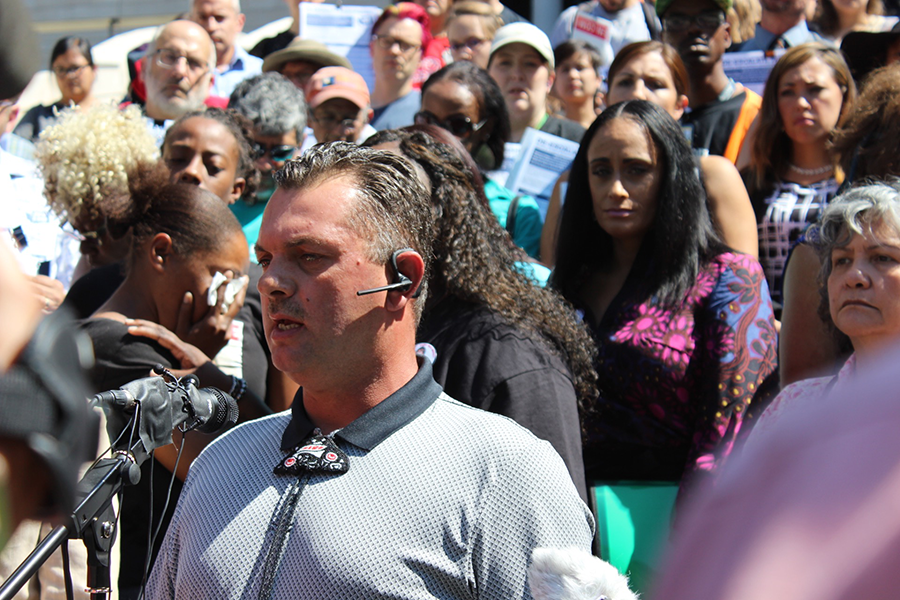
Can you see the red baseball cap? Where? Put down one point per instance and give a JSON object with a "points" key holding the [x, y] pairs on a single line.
{"points": [[337, 82]]}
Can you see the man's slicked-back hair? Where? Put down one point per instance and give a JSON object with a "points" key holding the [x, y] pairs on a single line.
{"points": [[393, 207]]}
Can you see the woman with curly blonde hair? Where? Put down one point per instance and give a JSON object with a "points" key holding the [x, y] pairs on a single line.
{"points": [[87, 159]]}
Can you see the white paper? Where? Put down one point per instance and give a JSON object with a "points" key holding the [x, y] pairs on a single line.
{"points": [[541, 161], [751, 68], [511, 152], [345, 30], [596, 32]]}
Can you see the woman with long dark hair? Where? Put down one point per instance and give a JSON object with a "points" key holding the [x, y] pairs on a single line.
{"points": [[683, 324]]}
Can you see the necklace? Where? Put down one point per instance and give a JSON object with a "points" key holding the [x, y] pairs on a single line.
{"points": [[811, 172]]}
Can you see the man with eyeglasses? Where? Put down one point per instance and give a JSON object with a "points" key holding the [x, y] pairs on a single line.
{"points": [[721, 109], [177, 69], [398, 37], [224, 21], [278, 112], [781, 25], [339, 110]]}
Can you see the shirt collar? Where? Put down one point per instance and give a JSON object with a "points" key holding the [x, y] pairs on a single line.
{"points": [[380, 421], [796, 35], [237, 59]]}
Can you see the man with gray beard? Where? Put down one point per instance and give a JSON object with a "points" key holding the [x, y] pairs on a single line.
{"points": [[178, 68]]}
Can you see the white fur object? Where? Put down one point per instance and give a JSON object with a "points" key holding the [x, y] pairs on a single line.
{"points": [[573, 574]]}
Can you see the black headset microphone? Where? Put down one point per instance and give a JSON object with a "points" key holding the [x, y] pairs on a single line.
{"points": [[403, 282]]}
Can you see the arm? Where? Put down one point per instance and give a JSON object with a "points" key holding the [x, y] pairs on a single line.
{"points": [[807, 348], [551, 223], [744, 157], [739, 347], [730, 205]]}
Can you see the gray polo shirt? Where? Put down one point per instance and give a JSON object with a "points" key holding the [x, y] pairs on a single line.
{"points": [[441, 500]]}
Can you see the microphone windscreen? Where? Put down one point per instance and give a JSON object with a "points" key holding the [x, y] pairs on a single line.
{"points": [[20, 54]]}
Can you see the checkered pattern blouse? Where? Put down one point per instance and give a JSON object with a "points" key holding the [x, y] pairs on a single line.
{"points": [[789, 209]]}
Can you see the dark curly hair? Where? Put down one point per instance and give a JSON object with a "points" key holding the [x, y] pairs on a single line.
{"points": [[475, 259], [242, 129], [867, 140]]}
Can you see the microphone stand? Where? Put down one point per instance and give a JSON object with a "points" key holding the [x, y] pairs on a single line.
{"points": [[93, 521]]}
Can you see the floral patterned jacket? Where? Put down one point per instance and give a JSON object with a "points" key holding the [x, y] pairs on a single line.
{"points": [[675, 385]]}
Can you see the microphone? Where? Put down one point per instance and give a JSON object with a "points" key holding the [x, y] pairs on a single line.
{"points": [[167, 405], [403, 282]]}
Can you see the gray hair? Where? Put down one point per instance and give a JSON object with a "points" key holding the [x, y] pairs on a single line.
{"points": [[859, 210], [393, 208], [272, 103]]}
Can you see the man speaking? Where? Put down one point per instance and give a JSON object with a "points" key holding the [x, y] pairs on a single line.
{"points": [[376, 484]]}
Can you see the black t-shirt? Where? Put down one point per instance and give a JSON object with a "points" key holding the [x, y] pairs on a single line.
{"points": [[564, 128], [484, 361], [709, 126], [265, 47]]}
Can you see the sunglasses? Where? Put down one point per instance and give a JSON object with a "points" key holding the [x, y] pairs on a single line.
{"points": [[707, 21], [459, 125], [279, 153]]}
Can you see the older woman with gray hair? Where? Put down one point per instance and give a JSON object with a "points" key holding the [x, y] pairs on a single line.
{"points": [[858, 242], [277, 110]]}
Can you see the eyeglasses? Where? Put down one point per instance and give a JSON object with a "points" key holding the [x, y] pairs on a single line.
{"points": [[706, 21], [68, 71], [166, 57], [329, 121], [469, 44], [387, 42], [459, 125], [279, 153]]}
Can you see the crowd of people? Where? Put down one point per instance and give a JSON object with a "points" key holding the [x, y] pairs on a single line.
{"points": [[347, 262]]}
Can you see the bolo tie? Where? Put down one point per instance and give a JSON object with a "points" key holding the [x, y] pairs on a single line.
{"points": [[317, 455]]}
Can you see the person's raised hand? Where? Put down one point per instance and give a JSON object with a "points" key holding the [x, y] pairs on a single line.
{"points": [[49, 292], [211, 332]]}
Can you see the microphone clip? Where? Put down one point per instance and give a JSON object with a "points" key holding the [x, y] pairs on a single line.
{"points": [[403, 282]]}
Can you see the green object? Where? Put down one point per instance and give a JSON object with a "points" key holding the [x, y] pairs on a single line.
{"points": [[633, 522]]}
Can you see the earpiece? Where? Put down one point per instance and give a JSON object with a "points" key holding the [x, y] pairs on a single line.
{"points": [[403, 282]]}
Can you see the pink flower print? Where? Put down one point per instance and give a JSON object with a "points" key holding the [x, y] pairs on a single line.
{"points": [[703, 287], [646, 326], [720, 339], [679, 344]]}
